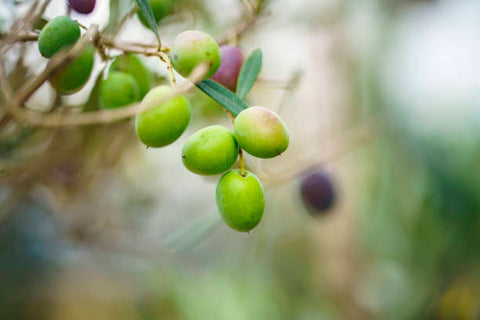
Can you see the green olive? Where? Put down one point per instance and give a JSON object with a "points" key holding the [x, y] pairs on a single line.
{"points": [[131, 64], [74, 76], [56, 35], [192, 48], [166, 122], [260, 132], [211, 150], [240, 200], [117, 90]]}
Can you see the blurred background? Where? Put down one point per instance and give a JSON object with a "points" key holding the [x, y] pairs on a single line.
{"points": [[381, 95]]}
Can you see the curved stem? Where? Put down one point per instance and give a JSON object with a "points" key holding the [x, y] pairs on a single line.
{"points": [[165, 58]]}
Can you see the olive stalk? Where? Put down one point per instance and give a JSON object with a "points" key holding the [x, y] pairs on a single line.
{"points": [[165, 58], [241, 162]]}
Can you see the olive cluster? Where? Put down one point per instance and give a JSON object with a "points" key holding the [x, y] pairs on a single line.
{"points": [[214, 149], [210, 151]]}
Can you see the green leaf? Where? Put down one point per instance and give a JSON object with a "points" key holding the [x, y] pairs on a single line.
{"points": [[223, 96], [249, 72], [192, 234], [114, 16], [147, 13]]}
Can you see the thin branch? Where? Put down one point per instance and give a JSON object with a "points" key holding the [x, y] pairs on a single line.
{"points": [[44, 7], [102, 116], [165, 58], [20, 26], [237, 29], [130, 14], [5, 88], [15, 106], [144, 49], [355, 138], [11, 38]]}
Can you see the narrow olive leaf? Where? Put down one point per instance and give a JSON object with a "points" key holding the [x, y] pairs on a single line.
{"points": [[223, 96], [114, 17], [147, 13], [192, 234], [119, 10], [249, 72]]}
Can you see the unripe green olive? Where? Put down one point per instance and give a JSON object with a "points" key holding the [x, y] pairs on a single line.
{"points": [[240, 200], [117, 90], [160, 9], [211, 150], [74, 76], [131, 64], [59, 33], [166, 122], [260, 132], [192, 48]]}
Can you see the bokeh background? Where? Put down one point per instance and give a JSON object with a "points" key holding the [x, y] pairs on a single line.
{"points": [[384, 95]]}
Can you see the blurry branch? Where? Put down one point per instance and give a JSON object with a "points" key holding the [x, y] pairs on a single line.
{"points": [[43, 7], [248, 6], [139, 48], [125, 18], [289, 84], [20, 26], [348, 142], [144, 49], [252, 15], [12, 38], [194, 233], [14, 102], [289, 89], [103, 116], [14, 105], [238, 29]]}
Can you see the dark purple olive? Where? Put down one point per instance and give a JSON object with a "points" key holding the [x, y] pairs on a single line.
{"points": [[317, 191], [232, 60], [82, 6]]}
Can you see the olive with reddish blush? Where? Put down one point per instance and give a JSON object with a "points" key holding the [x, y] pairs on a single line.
{"points": [[232, 60]]}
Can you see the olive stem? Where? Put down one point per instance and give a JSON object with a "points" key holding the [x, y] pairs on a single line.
{"points": [[81, 25], [242, 162], [165, 58]]}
